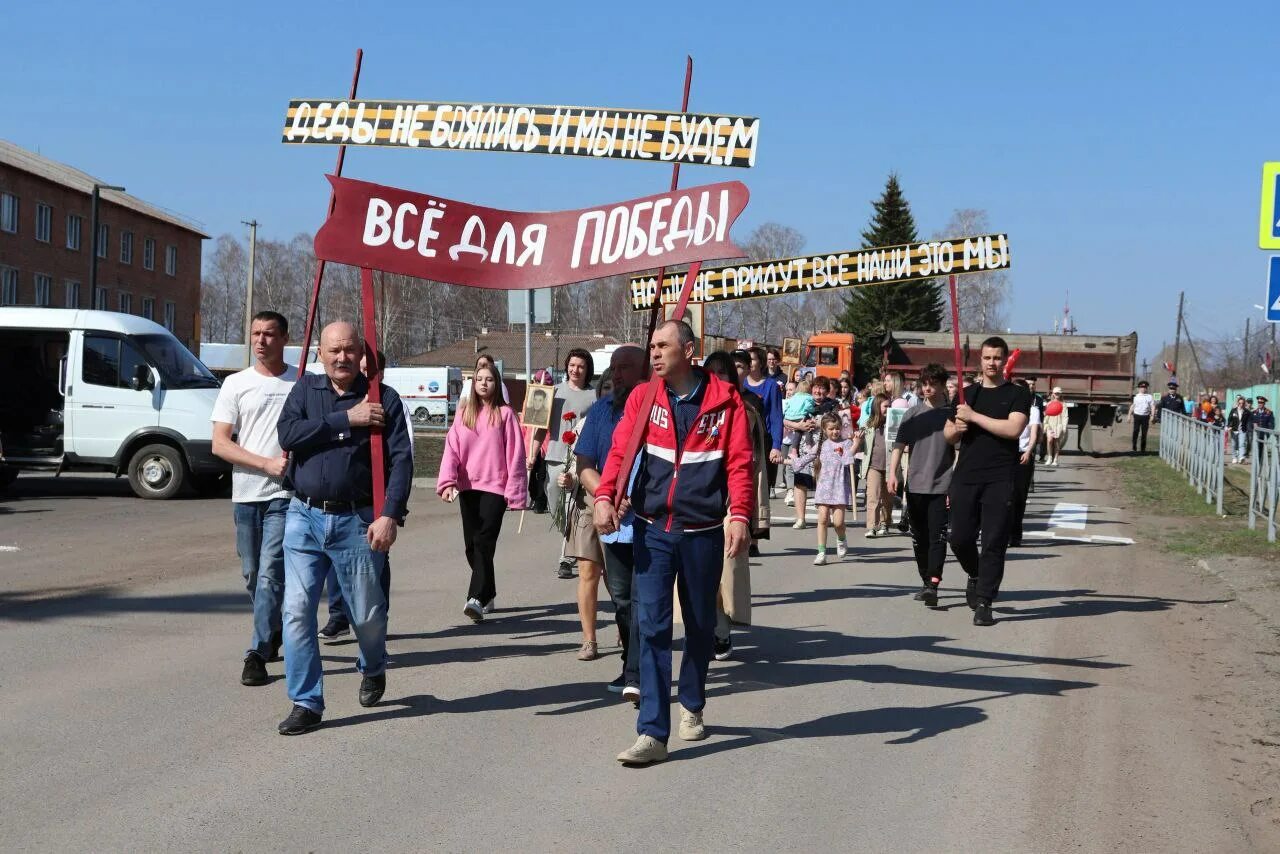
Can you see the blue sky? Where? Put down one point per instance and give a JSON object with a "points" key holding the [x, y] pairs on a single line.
{"points": [[1119, 144]]}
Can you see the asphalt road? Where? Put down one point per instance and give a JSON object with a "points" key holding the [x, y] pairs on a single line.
{"points": [[1091, 717]]}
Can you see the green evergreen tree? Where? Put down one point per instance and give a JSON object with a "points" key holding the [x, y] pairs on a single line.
{"points": [[871, 311]]}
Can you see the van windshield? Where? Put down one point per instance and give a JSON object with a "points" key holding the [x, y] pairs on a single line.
{"points": [[178, 368]]}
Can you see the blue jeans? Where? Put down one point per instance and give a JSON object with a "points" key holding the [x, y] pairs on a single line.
{"points": [[692, 563], [1242, 444], [338, 608], [314, 542], [260, 544]]}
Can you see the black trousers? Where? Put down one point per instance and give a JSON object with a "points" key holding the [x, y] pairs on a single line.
{"points": [[1021, 490], [928, 533], [771, 472], [619, 573], [482, 514], [984, 509], [1140, 425]]}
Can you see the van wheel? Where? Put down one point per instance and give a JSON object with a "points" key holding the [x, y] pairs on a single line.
{"points": [[421, 415], [157, 471]]}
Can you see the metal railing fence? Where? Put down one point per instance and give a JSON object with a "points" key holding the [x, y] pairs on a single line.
{"points": [[1196, 449], [1264, 479]]}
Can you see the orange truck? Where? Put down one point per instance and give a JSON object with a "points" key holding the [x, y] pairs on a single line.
{"points": [[827, 354]]}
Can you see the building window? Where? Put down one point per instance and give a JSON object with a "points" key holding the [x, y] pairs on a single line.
{"points": [[149, 254], [171, 260], [44, 290], [103, 234], [100, 299], [149, 308], [125, 303], [126, 247], [44, 222], [9, 213], [74, 224], [73, 294], [170, 314], [8, 286]]}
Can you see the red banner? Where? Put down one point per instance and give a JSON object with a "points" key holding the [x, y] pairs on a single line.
{"points": [[385, 228]]}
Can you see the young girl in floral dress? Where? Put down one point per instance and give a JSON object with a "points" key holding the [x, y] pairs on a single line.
{"points": [[833, 455]]}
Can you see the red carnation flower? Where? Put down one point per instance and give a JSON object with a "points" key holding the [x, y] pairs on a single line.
{"points": [[569, 437], [569, 416], [839, 450]]}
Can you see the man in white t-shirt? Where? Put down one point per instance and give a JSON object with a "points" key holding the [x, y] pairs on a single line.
{"points": [[244, 434], [1026, 468]]}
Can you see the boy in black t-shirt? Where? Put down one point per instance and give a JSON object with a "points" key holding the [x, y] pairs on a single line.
{"points": [[988, 421]]}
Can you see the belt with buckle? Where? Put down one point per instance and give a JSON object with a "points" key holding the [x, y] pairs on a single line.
{"points": [[333, 506]]}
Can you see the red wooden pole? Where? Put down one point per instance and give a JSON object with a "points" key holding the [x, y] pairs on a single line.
{"points": [[656, 311], [319, 277], [955, 332], [374, 371], [632, 447]]}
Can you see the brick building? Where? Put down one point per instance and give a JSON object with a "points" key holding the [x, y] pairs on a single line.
{"points": [[148, 259]]}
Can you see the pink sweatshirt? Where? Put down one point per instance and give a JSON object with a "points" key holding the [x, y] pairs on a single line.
{"points": [[489, 458]]}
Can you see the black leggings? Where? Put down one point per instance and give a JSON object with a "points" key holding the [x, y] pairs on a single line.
{"points": [[481, 523], [929, 534], [986, 509]]}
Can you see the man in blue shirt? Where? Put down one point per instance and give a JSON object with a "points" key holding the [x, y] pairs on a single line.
{"points": [[325, 427], [592, 449]]}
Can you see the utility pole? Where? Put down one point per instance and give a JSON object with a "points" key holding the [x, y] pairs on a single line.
{"points": [[1195, 355], [1177, 333], [248, 291]]}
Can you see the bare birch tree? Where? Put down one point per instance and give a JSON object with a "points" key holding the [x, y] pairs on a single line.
{"points": [[982, 297]]}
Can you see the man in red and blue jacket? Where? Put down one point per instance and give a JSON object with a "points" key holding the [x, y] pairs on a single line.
{"points": [[696, 462]]}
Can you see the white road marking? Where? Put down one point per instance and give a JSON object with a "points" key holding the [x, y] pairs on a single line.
{"points": [[1071, 516], [10, 549]]}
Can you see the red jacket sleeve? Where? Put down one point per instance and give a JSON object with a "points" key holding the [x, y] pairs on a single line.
{"points": [[621, 434], [738, 464]]}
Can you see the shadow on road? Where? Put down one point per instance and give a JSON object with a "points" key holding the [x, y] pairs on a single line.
{"points": [[54, 603], [916, 724]]}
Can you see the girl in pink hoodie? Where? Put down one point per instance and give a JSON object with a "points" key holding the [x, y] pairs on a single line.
{"points": [[484, 468]]}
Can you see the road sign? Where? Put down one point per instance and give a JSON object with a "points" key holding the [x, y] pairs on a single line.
{"points": [[518, 311], [1269, 223], [1273, 291]]}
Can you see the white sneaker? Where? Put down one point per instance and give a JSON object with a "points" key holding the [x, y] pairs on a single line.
{"points": [[842, 549], [798, 525], [645, 751], [790, 500], [820, 559], [488, 606], [474, 610], [691, 727]]}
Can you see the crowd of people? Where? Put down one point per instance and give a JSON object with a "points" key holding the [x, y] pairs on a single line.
{"points": [[660, 478], [1239, 423]]}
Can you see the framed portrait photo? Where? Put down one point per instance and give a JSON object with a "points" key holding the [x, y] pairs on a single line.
{"points": [[790, 351], [537, 406]]}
